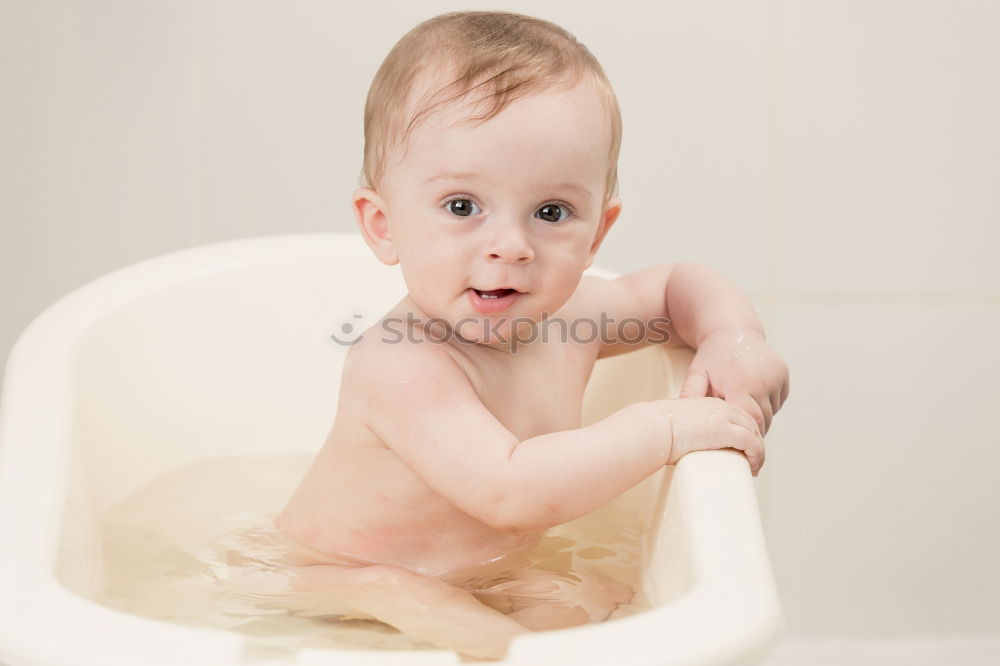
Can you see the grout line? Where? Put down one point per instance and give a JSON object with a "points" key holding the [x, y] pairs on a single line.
{"points": [[198, 74], [775, 33], [887, 299], [965, 650], [772, 74]]}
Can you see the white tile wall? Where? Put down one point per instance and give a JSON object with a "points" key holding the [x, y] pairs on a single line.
{"points": [[839, 159], [882, 505], [950, 651], [97, 176], [694, 170], [888, 150]]}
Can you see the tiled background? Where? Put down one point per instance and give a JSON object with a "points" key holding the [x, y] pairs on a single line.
{"points": [[839, 159]]}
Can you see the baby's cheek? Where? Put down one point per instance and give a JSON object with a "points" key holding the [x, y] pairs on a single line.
{"points": [[435, 258], [423, 268]]}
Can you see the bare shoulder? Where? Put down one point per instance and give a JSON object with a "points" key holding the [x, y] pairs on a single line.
{"points": [[407, 379], [392, 365], [594, 294]]}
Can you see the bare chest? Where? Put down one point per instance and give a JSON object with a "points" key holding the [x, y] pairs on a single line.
{"points": [[536, 391]]}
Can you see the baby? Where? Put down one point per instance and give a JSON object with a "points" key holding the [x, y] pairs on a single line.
{"points": [[490, 177]]}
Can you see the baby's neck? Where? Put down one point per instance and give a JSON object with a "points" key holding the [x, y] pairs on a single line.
{"points": [[491, 336]]}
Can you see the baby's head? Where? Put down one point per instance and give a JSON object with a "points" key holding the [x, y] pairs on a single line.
{"points": [[491, 150]]}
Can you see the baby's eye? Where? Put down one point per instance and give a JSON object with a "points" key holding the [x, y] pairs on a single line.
{"points": [[550, 212], [461, 207]]}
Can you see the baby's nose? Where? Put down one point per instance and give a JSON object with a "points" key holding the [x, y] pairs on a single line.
{"points": [[510, 246], [506, 254]]}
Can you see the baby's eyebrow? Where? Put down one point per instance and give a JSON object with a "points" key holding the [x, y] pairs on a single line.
{"points": [[573, 187], [460, 175]]}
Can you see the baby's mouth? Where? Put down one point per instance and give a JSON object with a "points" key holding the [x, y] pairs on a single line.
{"points": [[494, 293], [492, 301]]}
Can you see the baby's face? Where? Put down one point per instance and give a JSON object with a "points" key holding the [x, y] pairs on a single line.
{"points": [[512, 203]]}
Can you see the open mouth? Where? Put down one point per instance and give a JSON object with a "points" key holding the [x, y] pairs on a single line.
{"points": [[490, 301], [495, 293]]}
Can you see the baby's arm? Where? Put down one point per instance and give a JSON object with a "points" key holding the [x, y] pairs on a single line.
{"points": [[708, 313], [695, 299], [423, 407]]}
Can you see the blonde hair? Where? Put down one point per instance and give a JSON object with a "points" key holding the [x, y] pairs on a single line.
{"points": [[507, 55]]}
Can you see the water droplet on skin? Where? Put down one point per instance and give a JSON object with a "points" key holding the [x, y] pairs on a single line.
{"points": [[746, 352]]}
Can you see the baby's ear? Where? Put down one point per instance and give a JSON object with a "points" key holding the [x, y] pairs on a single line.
{"points": [[611, 211], [370, 211]]}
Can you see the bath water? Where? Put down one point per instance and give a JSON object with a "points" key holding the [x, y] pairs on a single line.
{"points": [[168, 552]]}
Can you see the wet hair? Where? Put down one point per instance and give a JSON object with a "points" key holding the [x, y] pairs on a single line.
{"points": [[497, 57]]}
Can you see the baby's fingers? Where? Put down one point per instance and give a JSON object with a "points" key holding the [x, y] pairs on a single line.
{"points": [[779, 400], [768, 412], [760, 409], [751, 443], [745, 412]]}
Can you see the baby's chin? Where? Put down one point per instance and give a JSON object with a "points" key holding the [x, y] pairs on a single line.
{"points": [[498, 330]]}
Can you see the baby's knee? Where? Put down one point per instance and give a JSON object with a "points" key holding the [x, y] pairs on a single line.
{"points": [[369, 577], [548, 617], [399, 578]]}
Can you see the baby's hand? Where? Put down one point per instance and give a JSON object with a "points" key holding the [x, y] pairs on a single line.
{"points": [[699, 424], [736, 364]]}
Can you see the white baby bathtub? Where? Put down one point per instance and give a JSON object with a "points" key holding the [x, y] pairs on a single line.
{"points": [[225, 350]]}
